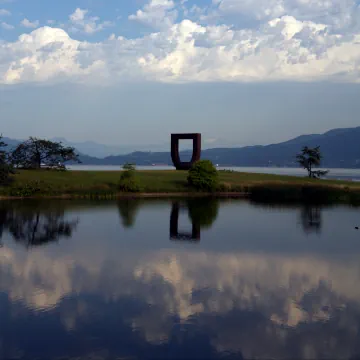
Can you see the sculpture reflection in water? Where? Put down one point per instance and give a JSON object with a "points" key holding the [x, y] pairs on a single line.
{"points": [[202, 214], [35, 223]]}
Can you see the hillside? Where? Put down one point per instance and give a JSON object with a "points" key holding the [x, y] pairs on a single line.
{"points": [[340, 148]]}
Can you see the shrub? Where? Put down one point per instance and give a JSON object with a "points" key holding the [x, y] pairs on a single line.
{"points": [[6, 170], [5, 174], [129, 167], [31, 188], [128, 179], [203, 176]]}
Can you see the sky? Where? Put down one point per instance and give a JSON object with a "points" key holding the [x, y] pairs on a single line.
{"points": [[241, 72]]}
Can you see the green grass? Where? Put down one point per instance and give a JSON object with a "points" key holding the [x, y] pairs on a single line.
{"points": [[99, 184]]}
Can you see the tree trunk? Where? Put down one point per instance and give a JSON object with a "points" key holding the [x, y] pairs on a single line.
{"points": [[37, 162]]}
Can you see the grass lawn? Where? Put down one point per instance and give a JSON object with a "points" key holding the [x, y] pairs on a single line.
{"points": [[30, 183]]}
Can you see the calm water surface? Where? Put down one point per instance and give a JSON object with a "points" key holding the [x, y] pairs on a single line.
{"points": [[193, 279]]}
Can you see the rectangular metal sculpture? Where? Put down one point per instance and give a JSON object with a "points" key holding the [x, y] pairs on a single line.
{"points": [[175, 155]]}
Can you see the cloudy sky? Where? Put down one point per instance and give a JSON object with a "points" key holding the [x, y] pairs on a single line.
{"points": [[240, 71]]}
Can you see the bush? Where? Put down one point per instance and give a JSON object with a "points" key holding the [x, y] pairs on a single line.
{"points": [[32, 188], [203, 176], [6, 170], [128, 179], [5, 174]]}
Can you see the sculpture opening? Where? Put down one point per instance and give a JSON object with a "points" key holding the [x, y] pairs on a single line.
{"points": [[175, 155]]}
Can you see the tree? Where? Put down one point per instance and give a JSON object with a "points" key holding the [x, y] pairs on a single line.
{"points": [[128, 180], [5, 168], [32, 153], [203, 176], [308, 159]]}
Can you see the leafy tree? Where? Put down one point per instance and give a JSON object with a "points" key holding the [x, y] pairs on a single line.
{"points": [[129, 167], [32, 153], [308, 159], [5, 168], [203, 176], [128, 180]]}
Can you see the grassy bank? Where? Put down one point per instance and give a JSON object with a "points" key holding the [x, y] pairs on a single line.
{"points": [[103, 184]]}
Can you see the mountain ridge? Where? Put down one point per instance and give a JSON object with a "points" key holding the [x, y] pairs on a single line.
{"points": [[340, 148]]}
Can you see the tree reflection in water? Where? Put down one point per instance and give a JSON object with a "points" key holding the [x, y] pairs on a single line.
{"points": [[310, 214], [128, 209], [311, 219], [202, 213], [35, 223]]}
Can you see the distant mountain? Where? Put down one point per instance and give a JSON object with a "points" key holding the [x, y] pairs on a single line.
{"points": [[10, 142], [95, 149], [340, 148]]}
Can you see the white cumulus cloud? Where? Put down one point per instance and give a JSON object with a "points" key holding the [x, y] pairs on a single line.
{"points": [[80, 21], [27, 23], [4, 12], [290, 42], [157, 13], [7, 26]]}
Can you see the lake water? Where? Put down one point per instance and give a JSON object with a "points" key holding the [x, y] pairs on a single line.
{"points": [[169, 279], [338, 174]]}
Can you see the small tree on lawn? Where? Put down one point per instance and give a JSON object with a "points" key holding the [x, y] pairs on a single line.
{"points": [[5, 168], [128, 180], [308, 159], [32, 153], [203, 176]]}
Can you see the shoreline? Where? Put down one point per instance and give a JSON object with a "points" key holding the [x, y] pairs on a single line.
{"points": [[173, 184], [140, 195]]}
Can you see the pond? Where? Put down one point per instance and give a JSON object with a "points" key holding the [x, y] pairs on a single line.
{"points": [[178, 279]]}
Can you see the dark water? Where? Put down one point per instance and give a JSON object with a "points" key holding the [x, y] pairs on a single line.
{"points": [[197, 279]]}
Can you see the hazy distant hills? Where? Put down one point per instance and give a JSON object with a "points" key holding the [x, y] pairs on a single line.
{"points": [[340, 147], [95, 149]]}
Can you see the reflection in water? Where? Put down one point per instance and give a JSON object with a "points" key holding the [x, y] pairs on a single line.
{"points": [[311, 219], [82, 300], [174, 226], [310, 214], [128, 209], [35, 224], [202, 213]]}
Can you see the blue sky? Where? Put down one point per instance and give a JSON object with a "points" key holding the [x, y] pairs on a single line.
{"points": [[241, 72]]}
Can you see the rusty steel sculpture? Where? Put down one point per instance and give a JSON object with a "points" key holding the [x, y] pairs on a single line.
{"points": [[175, 155], [175, 235]]}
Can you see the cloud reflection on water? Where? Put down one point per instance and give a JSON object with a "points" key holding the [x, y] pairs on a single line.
{"points": [[257, 304]]}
